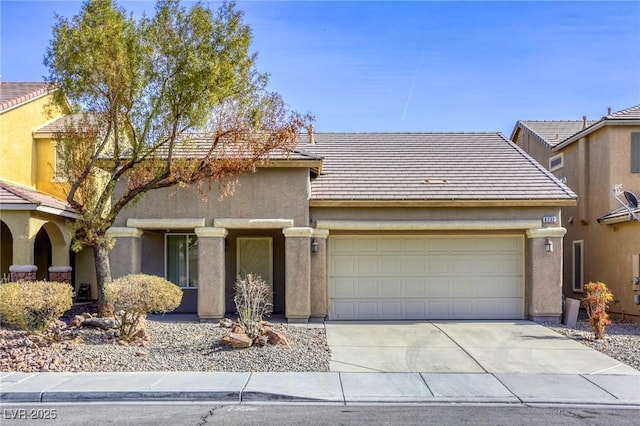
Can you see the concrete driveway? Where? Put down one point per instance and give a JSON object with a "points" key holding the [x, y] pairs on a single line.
{"points": [[462, 347]]}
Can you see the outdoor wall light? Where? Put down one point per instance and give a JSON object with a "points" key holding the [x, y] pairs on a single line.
{"points": [[549, 245], [314, 245]]}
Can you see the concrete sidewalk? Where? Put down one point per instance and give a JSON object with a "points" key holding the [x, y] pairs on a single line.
{"points": [[332, 387]]}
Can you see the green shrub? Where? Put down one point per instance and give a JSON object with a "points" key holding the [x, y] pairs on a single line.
{"points": [[33, 305], [139, 294], [253, 302]]}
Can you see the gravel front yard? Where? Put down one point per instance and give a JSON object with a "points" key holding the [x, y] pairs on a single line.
{"points": [[190, 346], [621, 341]]}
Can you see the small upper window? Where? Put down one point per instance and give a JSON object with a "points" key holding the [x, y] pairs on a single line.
{"points": [[635, 152], [556, 162], [58, 172]]}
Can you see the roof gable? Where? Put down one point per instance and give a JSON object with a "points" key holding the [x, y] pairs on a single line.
{"points": [[551, 132]]}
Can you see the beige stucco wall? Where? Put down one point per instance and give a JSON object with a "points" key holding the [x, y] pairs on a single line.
{"points": [[608, 249], [437, 214], [270, 193], [592, 166], [533, 147]]}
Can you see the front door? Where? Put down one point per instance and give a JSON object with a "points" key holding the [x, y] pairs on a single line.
{"points": [[255, 256]]}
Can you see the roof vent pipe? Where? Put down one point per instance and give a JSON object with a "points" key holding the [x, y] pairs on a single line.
{"points": [[312, 140], [609, 111], [584, 121]]}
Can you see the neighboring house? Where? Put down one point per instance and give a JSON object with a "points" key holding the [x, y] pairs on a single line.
{"points": [[592, 157], [35, 236], [362, 226]]}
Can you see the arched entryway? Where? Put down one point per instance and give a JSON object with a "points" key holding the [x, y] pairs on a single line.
{"points": [[42, 253], [6, 250]]}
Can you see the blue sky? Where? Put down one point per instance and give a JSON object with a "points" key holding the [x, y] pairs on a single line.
{"points": [[411, 66]]}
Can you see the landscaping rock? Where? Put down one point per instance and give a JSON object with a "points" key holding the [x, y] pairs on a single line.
{"points": [[237, 341], [276, 338], [101, 323], [226, 323], [77, 321]]}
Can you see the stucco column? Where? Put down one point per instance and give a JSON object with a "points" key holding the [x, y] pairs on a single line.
{"points": [[124, 258], [61, 274], [319, 283], [544, 274], [23, 272], [297, 280], [211, 276]]}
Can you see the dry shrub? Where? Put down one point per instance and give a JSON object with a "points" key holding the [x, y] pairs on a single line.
{"points": [[34, 305], [139, 294], [253, 302]]}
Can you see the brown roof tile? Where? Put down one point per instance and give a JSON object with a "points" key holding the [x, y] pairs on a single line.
{"points": [[20, 198], [16, 93], [428, 166]]}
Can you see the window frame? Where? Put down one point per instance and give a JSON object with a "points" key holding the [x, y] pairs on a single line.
{"points": [[188, 268], [559, 166], [580, 289], [56, 173], [635, 152]]}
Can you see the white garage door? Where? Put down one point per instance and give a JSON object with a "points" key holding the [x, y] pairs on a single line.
{"points": [[417, 277]]}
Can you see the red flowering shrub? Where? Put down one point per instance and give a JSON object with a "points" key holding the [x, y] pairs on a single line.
{"points": [[596, 301]]}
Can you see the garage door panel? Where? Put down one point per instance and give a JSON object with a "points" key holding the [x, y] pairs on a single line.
{"points": [[343, 266], [438, 287], [343, 246], [389, 309], [344, 288], [396, 277], [390, 287], [438, 265], [415, 287], [392, 266], [367, 288]]}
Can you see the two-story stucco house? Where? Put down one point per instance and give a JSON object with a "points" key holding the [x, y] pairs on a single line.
{"points": [[35, 236], [353, 226], [603, 238]]}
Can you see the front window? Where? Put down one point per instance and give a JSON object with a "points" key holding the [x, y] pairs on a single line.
{"points": [[181, 265], [578, 257]]}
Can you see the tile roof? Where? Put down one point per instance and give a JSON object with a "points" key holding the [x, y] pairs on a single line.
{"points": [[196, 146], [632, 113], [16, 93], [556, 134], [19, 198], [552, 132], [429, 167]]}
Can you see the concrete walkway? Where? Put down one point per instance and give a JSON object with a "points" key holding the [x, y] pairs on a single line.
{"points": [[493, 362]]}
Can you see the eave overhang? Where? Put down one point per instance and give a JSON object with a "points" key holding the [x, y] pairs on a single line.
{"points": [[443, 203], [593, 128]]}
